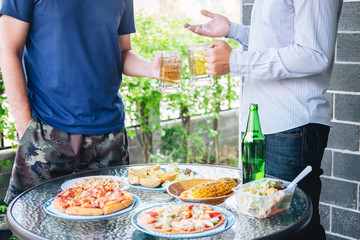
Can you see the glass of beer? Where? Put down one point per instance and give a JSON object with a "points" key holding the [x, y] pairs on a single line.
{"points": [[170, 72], [196, 58]]}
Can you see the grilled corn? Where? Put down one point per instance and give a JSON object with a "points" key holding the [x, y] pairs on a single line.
{"points": [[214, 188]]}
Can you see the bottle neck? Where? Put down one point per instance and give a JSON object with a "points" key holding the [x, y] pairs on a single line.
{"points": [[253, 128]]}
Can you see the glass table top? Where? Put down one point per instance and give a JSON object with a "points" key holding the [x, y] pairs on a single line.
{"points": [[28, 220]]}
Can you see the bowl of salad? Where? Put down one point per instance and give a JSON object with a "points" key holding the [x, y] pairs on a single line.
{"points": [[264, 197], [181, 174]]}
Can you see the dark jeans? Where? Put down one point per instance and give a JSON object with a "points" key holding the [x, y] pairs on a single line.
{"points": [[288, 153]]}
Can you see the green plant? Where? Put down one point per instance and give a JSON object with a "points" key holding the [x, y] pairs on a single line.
{"points": [[141, 97], [146, 107], [181, 146], [5, 163], [197, 145], [173, 142], [3, 207], [224, 92], [7, 128], [161, 158]]}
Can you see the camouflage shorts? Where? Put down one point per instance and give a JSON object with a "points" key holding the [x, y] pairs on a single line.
{"points": [[45, 153]]}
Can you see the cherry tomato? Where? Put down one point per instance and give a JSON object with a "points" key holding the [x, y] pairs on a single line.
{"points": [[153, 214], [214, 214], [190, 207]]}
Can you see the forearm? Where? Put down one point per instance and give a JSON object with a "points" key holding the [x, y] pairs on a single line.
{"points": [[134, 65], [239, 33], [293, 61], [16, 91], [13, 34]]}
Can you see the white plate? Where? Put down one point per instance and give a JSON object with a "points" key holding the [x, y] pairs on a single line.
{"points": [[50, 209], [71, 183], [230, 220], [157, 189]]}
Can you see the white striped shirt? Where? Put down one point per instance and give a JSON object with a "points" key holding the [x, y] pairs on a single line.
{"points": [[289, 61]]}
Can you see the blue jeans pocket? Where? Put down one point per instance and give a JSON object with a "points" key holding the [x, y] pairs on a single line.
{"points": [[284, 153]]}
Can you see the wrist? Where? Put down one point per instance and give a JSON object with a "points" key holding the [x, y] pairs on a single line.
{"points": [[154, 67], [152, 72], [228, 31], [231, 31]]}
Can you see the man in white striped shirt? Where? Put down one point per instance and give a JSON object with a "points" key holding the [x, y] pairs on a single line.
{"points": [[287, 70]]}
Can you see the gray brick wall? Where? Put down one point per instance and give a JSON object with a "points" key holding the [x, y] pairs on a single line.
{"points": [[340, 193], [339, 202]]}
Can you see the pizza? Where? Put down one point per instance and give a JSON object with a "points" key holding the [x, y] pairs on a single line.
{"points": [[179, 219], [93, 200], [96, 181]]}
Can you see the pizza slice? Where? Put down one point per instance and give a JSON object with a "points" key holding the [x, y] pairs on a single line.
{"points": [[92, 201]]}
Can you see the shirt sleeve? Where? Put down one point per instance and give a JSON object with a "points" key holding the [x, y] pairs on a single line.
{"points": [[127, 22], [19, 9], [239, 33], [315, 27]]}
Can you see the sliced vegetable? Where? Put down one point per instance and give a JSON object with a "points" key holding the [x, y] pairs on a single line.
{"points": [[190, 207], [214, 214], [152, 214]]}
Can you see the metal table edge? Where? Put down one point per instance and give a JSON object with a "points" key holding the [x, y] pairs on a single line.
{"points": [[26, 234], [15, 227], [294, 228]]}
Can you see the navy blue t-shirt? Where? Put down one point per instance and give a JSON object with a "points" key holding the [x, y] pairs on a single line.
{"points": [[72, 61]]}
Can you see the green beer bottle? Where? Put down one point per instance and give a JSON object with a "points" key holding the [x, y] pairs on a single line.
{"points": [[253, 148]]}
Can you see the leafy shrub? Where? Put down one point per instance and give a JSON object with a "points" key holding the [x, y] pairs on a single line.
{"points": [[146, 107], [7, 128]]}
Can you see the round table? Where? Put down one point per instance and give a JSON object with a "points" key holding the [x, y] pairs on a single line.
{"points": [[28, 220]]}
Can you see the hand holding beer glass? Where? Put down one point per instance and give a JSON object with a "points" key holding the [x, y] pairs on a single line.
{"points": [[196, 59], [170, 69], [170, 72]]}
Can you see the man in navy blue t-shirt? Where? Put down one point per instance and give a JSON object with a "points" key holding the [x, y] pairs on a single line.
{"points": [[62, 64]]}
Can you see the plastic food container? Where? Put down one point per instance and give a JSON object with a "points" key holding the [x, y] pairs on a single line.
{"points": [[252, 200]]}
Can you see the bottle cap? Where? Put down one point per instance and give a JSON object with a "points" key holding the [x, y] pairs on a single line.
{"points": [[253, 106]]}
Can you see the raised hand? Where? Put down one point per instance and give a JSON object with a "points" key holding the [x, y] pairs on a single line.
{"points": [[218, 26]]}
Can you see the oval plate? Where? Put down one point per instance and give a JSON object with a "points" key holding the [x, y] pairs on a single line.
{"points": [[51, 210], [71, 183], [157, 189], [230, 220]]}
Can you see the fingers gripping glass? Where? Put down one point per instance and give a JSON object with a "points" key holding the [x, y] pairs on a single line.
{"points": [[196, 59]]}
